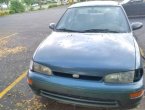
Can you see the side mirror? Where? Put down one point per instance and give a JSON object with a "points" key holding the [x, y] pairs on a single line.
{"points": [[136, 25], [52, 26]]}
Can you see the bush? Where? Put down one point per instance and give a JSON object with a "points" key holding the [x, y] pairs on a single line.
{"points": [[12, 11], [53, 5], [16, 7], [51, 1], [2, 13], [32, 9]]}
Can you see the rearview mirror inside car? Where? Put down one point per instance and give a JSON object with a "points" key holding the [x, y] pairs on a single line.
{"points": [[52, 26], [136, 25]]}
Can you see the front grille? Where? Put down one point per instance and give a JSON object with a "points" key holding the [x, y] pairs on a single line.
{"points": [[84, 77], [79, 100]]}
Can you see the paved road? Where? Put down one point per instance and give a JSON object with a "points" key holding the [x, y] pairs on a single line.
{"points": [[20, 34]]}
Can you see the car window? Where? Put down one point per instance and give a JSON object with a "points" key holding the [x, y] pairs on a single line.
{"points": [[91, 18]]}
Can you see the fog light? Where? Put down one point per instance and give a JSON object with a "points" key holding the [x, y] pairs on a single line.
{"points": [[29, 81], [136, 94]]}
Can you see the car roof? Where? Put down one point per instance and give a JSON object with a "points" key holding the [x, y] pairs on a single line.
{"points": [[95, 3]]}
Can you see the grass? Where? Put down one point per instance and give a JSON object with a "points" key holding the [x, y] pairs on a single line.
{"points": [[4, 12], [45, 6]]}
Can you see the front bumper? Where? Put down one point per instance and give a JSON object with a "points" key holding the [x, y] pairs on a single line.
{"points": [[82, 92]]}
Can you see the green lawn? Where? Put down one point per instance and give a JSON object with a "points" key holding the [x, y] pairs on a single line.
{"points": [[45, 6], [27, 9]]}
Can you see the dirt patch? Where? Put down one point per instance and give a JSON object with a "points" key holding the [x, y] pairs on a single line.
{"points": [[8, 51], [4, 51], [3, 42], [32, 104]]}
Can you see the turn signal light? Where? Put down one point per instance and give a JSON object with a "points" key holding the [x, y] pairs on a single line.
{"points": [[29, 81], [136, 94]]}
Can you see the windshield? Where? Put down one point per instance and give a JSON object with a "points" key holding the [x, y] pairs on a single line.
{"points": [[94, 19], [125, 1]]}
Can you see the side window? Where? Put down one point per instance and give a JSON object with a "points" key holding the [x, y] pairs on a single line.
{"points": [[67, 19]]}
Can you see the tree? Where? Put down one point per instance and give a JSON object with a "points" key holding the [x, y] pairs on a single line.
{"points": [[29, 2], [16, 7], [40, 3], [7, 2], [4, 1], [1, 1]]}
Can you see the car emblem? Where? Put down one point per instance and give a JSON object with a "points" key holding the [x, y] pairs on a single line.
{"points": [[76, 75]]}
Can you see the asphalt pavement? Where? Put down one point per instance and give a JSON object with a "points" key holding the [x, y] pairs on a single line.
{"points": [[20, 35]]}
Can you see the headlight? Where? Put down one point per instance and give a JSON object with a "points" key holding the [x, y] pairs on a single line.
{"points": [[124, 77], [40, 68]]}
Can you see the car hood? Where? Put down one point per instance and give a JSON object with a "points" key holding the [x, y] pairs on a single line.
{"points": [[83, 53]]}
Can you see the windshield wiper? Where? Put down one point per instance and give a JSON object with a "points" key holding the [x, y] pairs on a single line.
{"points": [[67, 30], [102, 30]]}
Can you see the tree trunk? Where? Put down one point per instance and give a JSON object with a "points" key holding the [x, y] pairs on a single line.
{"points": [[40, 4]]}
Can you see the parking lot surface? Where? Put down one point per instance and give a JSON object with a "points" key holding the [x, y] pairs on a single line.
{"points": [[20, 35]]}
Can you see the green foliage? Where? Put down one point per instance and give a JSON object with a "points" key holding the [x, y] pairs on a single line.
{"points": [[52, 5], [82, 0], [29, 2], [40, 3], [52, 1], [5, 1], [12, 12], [2, 1], [16, 7], [31, 9]]}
